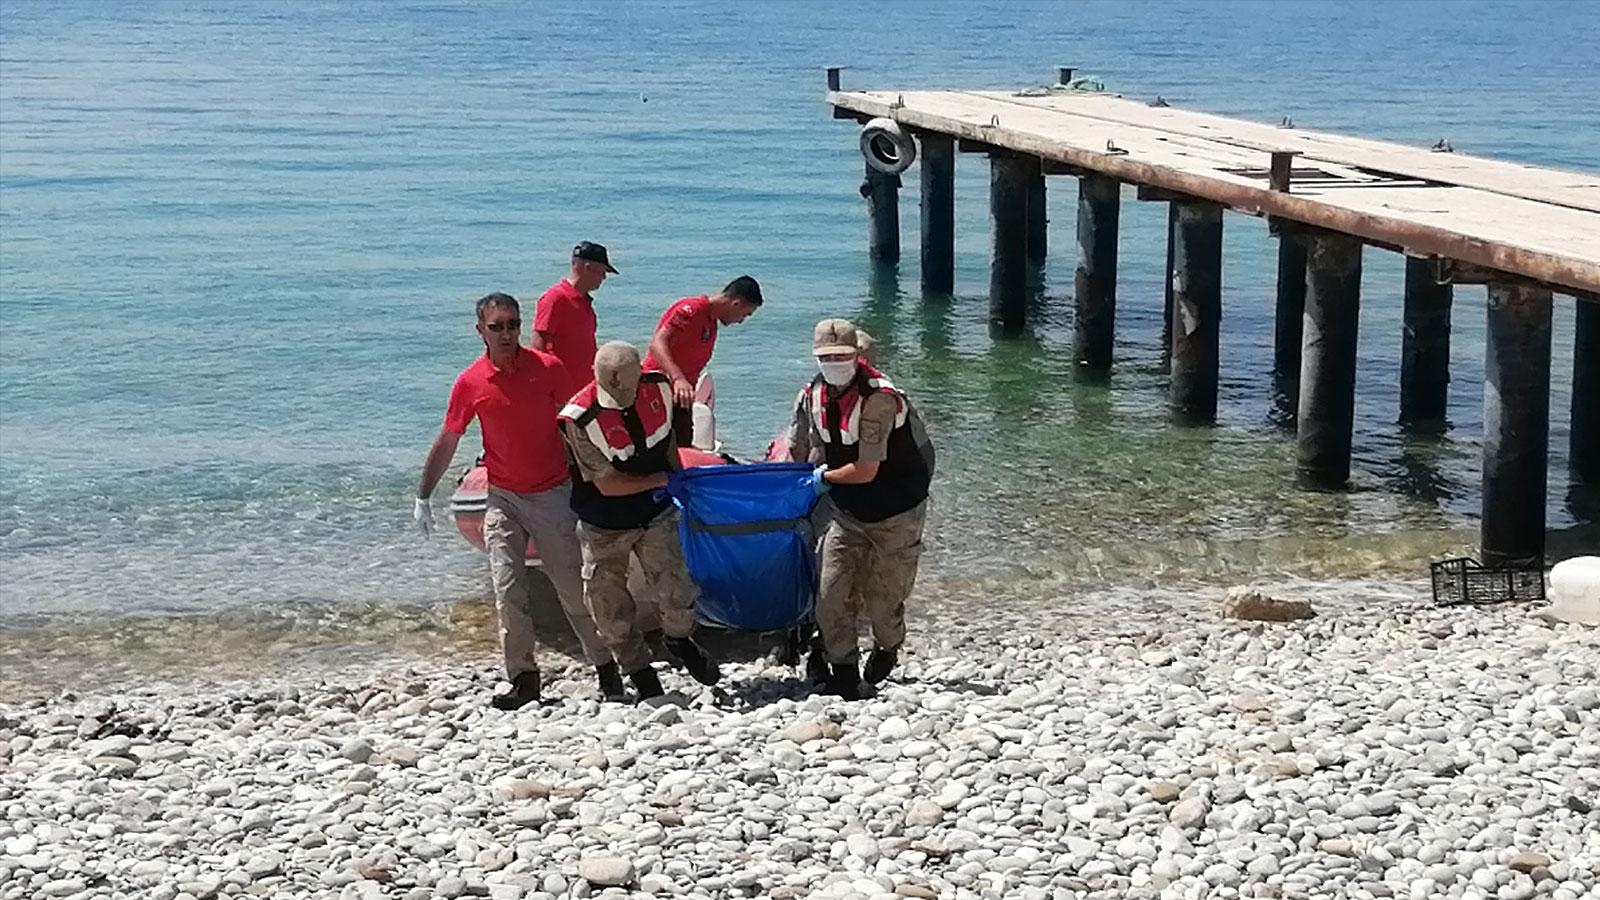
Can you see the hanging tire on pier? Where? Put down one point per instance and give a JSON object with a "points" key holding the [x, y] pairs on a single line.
{"points": [[887, 147]]}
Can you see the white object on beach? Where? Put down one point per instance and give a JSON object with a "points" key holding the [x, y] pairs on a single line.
{"points": [[1575, 590]]}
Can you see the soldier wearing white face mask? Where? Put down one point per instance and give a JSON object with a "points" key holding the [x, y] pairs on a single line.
{"points": [[876, 463]]}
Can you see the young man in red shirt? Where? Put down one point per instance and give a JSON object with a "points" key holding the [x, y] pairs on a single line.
{"points": [[515, 394], [563, 317], [685, 337]]}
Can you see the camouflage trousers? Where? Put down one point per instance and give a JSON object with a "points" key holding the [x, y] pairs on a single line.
{"points": [[546, 517], [606, 552], [867, 568]]}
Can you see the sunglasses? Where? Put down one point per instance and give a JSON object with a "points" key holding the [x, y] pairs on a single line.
{"points": [[509, 324]]}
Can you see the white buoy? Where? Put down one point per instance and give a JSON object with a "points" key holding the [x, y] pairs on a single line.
{"points": [[1575, 590]]}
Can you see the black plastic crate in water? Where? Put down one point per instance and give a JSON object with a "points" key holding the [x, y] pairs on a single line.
{"points": [[1462, 580]]}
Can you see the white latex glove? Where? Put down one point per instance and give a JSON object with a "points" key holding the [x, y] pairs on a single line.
{"points": [[422, 512]]}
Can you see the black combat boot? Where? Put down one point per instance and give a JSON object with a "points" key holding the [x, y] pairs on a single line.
{"points": [[610, 682], [655, 640], [524, 690], [694, 660], [817, 671], [844, 682], [880, 664], [645, 683]]}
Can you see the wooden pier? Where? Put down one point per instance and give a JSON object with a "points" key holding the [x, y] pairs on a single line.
{"points": [[1526, 232]]}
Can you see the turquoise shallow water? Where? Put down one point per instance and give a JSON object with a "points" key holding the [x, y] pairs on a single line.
{"points": [[239, 243]]}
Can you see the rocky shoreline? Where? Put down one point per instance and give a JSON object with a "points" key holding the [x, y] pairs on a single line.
{"points": [[1380, 749]]}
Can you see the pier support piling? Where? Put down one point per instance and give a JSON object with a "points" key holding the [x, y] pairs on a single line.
{"points": [[1166, 290], [938, 213], [1290, 312], [1095, 278], [1008, 241], [1325, 417], [882, 193], [1516, 425], [1038, 214], [1196, 279], [1584, 450], [1425, 347]]}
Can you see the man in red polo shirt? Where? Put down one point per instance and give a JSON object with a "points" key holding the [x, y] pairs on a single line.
{"points": [[685, 337], [515, 394], [563, 319]]}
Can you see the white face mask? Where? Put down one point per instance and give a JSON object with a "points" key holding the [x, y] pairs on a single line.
{"points": [[837, 374]]}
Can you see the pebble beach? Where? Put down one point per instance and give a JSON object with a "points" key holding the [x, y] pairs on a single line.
{"points": [[1385, 748], [240, 245]]}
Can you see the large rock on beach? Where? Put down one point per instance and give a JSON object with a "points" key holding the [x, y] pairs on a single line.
{"points": [[1527, 861], [924, 812], [1253, 605], [1189, 813], [802, 732], [606, 871]]}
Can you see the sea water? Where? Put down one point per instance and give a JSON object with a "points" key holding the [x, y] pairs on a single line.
{"points": [[239, 245]]}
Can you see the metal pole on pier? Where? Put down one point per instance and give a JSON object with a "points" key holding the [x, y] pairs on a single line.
{"points": [[1325, 418], [1425, 347], [1289, 312], [1516, 425], [1291, 299], [1584, 449], [1166, 289], [1038, 214], [938, 153], [1008, 241], [882, 193], [1095, 278], [1196, 278]]}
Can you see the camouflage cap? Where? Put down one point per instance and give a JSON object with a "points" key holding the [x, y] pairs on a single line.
{"points": [[616, 372], [834, 336]]}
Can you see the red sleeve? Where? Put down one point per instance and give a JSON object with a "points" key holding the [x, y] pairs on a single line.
{"points": [[679, 317], [555, 373], [458, 414], [544, 311]]}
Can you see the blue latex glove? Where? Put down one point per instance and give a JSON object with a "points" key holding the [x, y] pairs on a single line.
{"points": [[661, 494], [818, 483]]}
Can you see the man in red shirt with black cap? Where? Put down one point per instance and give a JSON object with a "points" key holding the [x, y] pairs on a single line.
{"points": [[685, 337], [515, 394], [563, 318]]}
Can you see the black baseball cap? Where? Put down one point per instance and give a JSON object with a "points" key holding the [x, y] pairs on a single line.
{"points": [[594, 253]]}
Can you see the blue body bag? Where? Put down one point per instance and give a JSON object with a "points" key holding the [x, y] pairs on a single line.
{"points": [[747, 538]]}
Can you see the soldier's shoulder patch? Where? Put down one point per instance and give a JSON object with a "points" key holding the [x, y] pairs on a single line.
{"points": [[872, 431]]}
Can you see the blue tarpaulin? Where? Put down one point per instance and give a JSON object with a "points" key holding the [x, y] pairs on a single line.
{"points": [[747, 538]]}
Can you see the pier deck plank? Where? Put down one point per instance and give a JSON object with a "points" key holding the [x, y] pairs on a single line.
{"points": [[1539, 223], [1557, 186]]}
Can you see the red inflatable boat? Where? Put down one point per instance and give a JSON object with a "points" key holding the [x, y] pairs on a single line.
{"points": [[471, 498]]}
